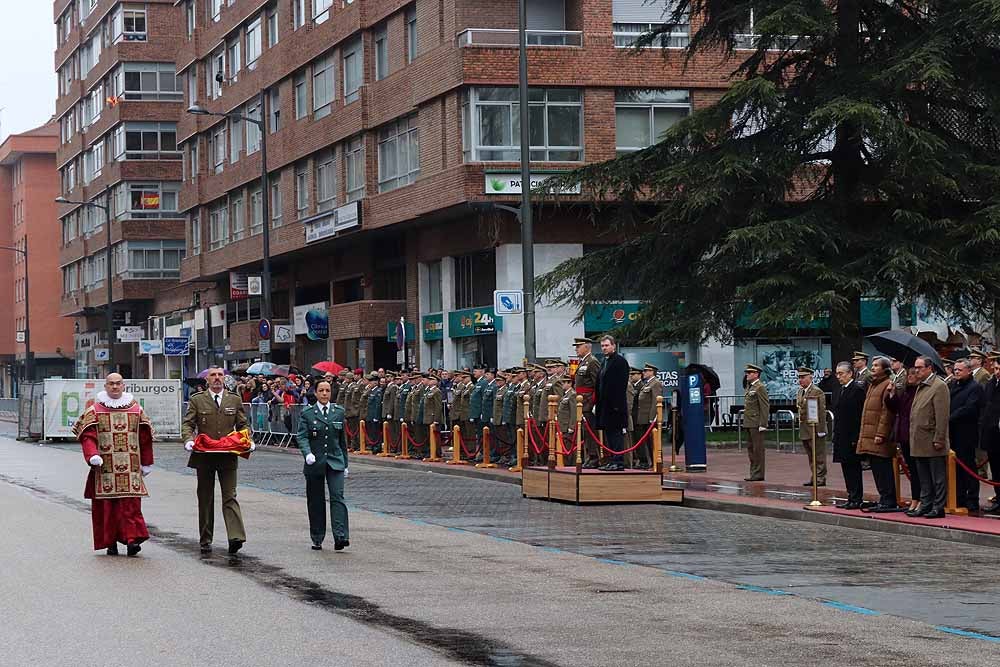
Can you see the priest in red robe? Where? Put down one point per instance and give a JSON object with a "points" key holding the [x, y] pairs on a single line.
{"points": [[117, 440]]}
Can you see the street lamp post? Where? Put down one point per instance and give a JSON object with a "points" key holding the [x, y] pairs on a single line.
{"points": [[527, 234], [265, 194], [109, 310], [29, 361]]}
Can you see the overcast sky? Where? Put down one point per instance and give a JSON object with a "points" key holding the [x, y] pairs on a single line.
{"points": [[27, 76]]}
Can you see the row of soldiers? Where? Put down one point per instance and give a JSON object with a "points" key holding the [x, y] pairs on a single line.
{"points": [[486, 397]]}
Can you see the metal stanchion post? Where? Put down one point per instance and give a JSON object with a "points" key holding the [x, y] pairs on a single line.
{"points": [[658, 437], [815, 501], [385, 440], [456, 447], [951, 505], [432, 437], [404, 436], [579, 434], [526, 461], [552, 432], [673, 440], [896, 478], [487, 442], [362, 438], [519, 448]]}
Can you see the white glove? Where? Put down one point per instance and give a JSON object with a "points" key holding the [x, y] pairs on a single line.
{"points": [[146, 470], [762, 429], [96, 460], [189, 445], [310, 459], [389, 417], [624, 431], [821, 435], [253, 446], [401, 420], [593, 410], [346, 472]]}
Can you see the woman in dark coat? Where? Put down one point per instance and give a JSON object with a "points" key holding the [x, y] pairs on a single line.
{"points": [[846, 431], [612, 402]]}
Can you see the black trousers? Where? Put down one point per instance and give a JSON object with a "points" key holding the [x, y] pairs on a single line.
{"points": [[853, 479], [316, 505], [885, 481], [989, 439], [966, 486], [614, 439], [911, 464], [933, 481]]}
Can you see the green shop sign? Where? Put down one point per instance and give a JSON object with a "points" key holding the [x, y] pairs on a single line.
{"points": [[601, 317], [432, 327], [473, 322]]}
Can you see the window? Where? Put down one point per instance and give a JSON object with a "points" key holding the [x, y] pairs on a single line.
{"points": [[434, 301], [299, 17], [398, 154], [411, 34], [192, 78], [194, 230], [272, 27], [323, 86], [301, 190], [354, 157], [217, 72], [381, 53], [326, 180], [215, 10], [128, 24], [90, 53], [274, 108], [475, 279], [92, 106], [86, 6], [301, 96], [256, 213], [353, 68], [194, 165], [218, 226], [146, 141], [138, 201], [218, 149], [148, 259], [233, 55], [253, 129], [642, 116], [93, 162], [253, 42], [150, 82], [70, 228], [321, 10], [632, 18], [71, 278], [492, 124], [237, 216], [190, 12], [236, 138], [276, 212]]}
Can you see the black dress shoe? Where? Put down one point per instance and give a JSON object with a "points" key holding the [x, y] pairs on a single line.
{"points": [[935, 514], [133, 548], [234, 546], [883, 509], [590, 465], [849, 506], [919, 511], [992, 508], [753, 479], [339, 545], [112, 550], [317, 547]]}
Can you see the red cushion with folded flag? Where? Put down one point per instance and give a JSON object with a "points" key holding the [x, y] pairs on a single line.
{"points": [[237, 442]]}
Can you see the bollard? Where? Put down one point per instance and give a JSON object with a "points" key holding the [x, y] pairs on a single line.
{"points": [[486, 450], [432, 437], [579, 434], [456, 447], [363, 438], [815, 502], [385, 440], [553, 445], [404, 436], [658, 437], [526, 461], [519, 449], [673, 440], [896, 478], [600, 450], [951, 505]]}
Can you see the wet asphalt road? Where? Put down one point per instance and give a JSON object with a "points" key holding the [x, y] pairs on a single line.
{"points": [[937, 582]]}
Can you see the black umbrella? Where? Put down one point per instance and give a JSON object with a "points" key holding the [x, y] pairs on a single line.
{"points": [[708, 374], [906, 347]]}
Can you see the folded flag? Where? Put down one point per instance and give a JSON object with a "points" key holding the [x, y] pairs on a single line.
{"points": [[237, 442]]}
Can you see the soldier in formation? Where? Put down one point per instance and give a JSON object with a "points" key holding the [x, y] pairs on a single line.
{"points": [[585, 385], [645, 403], [756, 413], [809, 391]]}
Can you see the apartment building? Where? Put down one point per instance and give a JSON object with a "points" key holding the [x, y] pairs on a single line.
{"points": [[391, 127], [29, 184], [117, 109]]}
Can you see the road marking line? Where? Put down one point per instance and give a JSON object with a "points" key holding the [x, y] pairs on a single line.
{"points": [[851, 608], [967, 633], [762, 589], [686, 575]]}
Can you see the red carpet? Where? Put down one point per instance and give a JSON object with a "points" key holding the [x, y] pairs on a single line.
{"points": [[955, 522]]}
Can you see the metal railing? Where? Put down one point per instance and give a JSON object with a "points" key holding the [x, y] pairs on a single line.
{"points": [[509, 37], [29, 411]]}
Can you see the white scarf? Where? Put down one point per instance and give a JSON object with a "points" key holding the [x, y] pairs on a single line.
{"points": [[115, 403]]}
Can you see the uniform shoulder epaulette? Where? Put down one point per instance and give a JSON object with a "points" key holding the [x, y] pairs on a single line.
{"points": [[198, 393]]}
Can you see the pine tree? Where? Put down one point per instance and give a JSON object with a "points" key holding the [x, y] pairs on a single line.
{"points": [[856, 153]]}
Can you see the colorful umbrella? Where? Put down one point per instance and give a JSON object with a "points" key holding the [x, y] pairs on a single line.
{"points": [[324, 367], [204, 374], [261, 368]]}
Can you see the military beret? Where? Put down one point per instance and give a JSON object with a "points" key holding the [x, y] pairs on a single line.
{"points": [[651, 367], [582, 341], [859, 355], [804, 371], [753, 368]]}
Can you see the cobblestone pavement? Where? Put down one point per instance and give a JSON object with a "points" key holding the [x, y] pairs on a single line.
{"points": [[929, 580]]}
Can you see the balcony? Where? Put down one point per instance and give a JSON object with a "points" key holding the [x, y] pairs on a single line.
{"points": [[491, 37], [363, 319]]}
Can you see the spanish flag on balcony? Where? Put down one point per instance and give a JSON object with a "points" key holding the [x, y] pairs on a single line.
{"points": [[237, 442], [151, 201]]}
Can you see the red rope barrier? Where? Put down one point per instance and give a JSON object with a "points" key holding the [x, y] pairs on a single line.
{"points": [[414, 442], [902, 466], [531, 437], [347, 429], [562, 445], [975, 474], [372, 441], [630, 449]]}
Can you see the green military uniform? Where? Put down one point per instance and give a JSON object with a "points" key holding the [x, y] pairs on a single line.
{"points": [[433, 410], [585, 385], [388, 410], [321, 434], [805, 428], [498, 427], [631, 392], [566, 417], [215, 419], [350, 412], [864, 376], [650, 390], [756, 413], [412, 415]]}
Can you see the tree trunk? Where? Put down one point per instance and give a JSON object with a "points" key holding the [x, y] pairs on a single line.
{"points": [[845, 331]]}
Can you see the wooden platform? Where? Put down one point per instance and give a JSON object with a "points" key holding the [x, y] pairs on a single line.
{"points": [[597, 486]]}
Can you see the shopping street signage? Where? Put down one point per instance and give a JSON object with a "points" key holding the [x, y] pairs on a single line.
{"points": [[474, 322], [432, 327], [509, 183], [333, 222]]}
